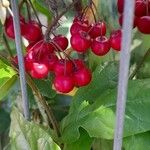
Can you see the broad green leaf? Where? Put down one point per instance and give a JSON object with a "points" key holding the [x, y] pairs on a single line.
{"points": [[98, 118], [26, 135], [102, 144], [45, 87], [103, 78], [84, 142], [41, 6], [138, 142], [7, 79], [4, 120]]}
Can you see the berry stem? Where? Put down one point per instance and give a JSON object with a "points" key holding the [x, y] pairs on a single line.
{"points": [[55, 21], [139, 65]]}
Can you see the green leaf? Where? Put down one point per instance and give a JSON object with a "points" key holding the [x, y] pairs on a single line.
{"points": [[45, 87], [102, 144], [98, 117], [137, 142], [42, 8], [7, 79], [4, 120], [84, 142], [103, 78], [28, 135]]}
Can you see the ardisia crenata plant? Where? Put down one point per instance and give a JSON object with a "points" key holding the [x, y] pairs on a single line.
{"points": [[71, 52]]}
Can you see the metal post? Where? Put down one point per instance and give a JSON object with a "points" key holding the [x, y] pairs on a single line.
{"points": [[123, 72], [18, 42]]}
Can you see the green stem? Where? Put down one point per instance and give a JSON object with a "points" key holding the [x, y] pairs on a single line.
{"points": [[140, 64]]}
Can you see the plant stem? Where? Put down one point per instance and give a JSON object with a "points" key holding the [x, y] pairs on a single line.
{"points": [[55, 21], [42, 101], [140, 64], [7, 46]]}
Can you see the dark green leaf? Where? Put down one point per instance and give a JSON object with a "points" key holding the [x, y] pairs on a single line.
{"points": [[84, 142], [42, 8], [45, 87], [4, 120], [98, 118], [138, 142]]}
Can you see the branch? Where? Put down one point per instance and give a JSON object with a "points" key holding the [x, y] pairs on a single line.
{"points": [[51, 25], [140, 64]]}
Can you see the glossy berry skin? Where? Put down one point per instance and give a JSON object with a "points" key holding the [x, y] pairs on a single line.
{"points": [[144, 24], [61, 41], [98, 29], [100, 46], [82, 77], [64, 84], [78, 64], [32, 31], [80, 42], [50, 61], [115, 40], [63, 67], [39, 70], [42, 49], [9, 27], [120, 5], [78, 26], [140, 8]]}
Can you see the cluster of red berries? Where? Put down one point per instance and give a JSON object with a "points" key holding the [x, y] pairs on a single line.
{"points": [[85, 36], [43, 57], [141, 14]]}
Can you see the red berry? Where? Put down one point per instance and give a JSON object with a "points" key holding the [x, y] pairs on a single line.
{"points": [[32, 31], [140, 8], [61, 41], [78, 26], [9, 27], [120, 5], [81, 41], [64, 84], [82, 20], [100, 46], [98, 29], [115, 40], [42, 49], [39, 70], [144, 24], [50, 61], [63, 67], [78, 64], [82, 77]]}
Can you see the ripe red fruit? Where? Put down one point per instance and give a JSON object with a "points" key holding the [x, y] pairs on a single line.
{"points": [[134, 23], [97, 29], [64, 84], [100, 46], [50, 61], [9, 27], [61, 41], [81, 41], [140, 8], [32, 31], [144, 24], [42, 49], [39, 70], [120, 5], [78, 64], [80, 19], [82, 77], [78, 26], [63, 67], [115, 40]]}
